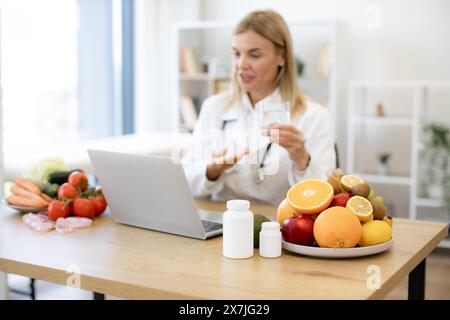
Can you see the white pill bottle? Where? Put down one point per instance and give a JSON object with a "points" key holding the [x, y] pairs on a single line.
{"points": [[270, 240], [238, 230]]}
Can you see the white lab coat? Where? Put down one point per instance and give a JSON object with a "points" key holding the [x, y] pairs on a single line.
{"points": [[240, 182]]}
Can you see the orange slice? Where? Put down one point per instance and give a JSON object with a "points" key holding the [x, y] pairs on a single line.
{"points": [[310, 196], [348, 181], [361, 207]]}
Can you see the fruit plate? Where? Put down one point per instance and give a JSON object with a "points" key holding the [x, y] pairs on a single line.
{"points": [[21, 208], [338, 252]]}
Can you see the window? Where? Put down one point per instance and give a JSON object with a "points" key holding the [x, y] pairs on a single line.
{"points": [[62, 67]]}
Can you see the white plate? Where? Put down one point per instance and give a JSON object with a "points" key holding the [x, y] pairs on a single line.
{"points": [[338, 252], [23, 209]]}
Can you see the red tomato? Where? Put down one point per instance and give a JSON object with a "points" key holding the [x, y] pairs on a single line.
{"points": [[99, 204], [56, 210], [67, 191], [79, 180], [84, 208]]}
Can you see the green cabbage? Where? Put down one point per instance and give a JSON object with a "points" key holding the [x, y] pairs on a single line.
{"points": [[38, 172]]}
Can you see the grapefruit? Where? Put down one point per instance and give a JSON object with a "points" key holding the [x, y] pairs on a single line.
{"points": [[310, 196], [337, 227]]}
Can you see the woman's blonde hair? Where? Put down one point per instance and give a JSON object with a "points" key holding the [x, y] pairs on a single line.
{"points": [[271, 25]]}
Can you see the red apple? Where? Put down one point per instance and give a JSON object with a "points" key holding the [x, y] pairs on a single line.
{"points": [[340, 199], [299, 230]]}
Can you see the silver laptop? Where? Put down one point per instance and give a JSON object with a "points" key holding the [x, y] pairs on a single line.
{"points": [[152, 192]]}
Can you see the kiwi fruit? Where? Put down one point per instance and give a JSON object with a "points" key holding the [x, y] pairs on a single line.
{"points": [[361, 189], [335, 184], [379, 210], [338, 173]]}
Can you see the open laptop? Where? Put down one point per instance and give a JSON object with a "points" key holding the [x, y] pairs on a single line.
{"points": [[152, 192]]}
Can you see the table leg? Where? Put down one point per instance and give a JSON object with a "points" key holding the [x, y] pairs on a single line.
{"points": [[99, 296], [416, 282], [32, 289]]}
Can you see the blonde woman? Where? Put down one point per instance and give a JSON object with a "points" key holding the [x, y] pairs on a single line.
{"points": [[263, 69]]}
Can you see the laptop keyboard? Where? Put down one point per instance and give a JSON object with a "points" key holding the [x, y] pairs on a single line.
{"points": [[211, 226]]}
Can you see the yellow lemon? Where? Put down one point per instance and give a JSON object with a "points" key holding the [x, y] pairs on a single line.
{"points": [[375, 232]]}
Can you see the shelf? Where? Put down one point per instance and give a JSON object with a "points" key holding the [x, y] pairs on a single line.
{"points": [[397, 180], [396, 121], [444, 244], [399, 84], [313, 78], [432, 203], [202, 77], [442, 218]]}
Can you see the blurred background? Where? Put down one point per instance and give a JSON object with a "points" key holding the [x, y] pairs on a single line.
{"points": [[126, 73]]}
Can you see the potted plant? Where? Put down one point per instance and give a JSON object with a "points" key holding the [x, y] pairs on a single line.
{"points": [[383, 159], [437, 153]]}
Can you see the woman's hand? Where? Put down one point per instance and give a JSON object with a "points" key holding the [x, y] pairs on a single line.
{"points": [[221, 162], [292, 139]]}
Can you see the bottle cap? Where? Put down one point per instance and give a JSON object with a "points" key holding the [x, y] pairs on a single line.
{"points": [[272, 225], [238, 204]]}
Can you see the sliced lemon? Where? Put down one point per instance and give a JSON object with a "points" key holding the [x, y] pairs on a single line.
{"points": [[361, 207], [348, 181]]}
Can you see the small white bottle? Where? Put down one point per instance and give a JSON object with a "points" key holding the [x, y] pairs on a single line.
{"points": [[270, 240], [238, 230]]}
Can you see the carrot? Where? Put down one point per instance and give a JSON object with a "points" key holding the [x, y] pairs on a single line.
{"points": [[21, 192], [46, 197], [28, 185], [26, 202]]}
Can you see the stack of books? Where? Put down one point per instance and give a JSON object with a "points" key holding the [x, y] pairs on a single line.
{"points": [[189, 61]]}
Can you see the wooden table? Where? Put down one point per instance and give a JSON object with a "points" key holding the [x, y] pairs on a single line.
{"points": [[136, 263]]}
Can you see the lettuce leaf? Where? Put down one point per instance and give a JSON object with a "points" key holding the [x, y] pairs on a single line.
{"points": [[38, 172]]}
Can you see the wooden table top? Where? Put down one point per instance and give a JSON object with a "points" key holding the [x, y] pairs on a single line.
{"points": [[136, 263]]}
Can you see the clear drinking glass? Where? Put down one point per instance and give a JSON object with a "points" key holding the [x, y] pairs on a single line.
{"points": [[273, 112]]}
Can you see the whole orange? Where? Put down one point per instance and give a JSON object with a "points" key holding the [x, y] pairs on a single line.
{"points": [[337, 227]]}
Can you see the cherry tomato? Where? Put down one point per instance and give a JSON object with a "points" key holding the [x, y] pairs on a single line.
{"points": [[99, 204], [59, 209], [67, 191], [84, 208], [79, 180]]}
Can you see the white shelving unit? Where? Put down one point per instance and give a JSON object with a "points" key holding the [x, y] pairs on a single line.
{"points": [[419, 90], [212, 39]]}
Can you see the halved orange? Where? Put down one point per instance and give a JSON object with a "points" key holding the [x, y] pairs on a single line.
{"points": [[310, 196], [348, 181], [361, 207]]}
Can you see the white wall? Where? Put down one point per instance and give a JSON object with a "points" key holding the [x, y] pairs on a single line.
{"points": [[153, 59]]}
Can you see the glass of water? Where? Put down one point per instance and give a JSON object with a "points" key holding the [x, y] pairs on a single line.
{"points": [[273, 112]]}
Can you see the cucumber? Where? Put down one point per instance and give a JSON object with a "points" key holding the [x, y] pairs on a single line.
{"points": [[60, 177], [51, 190]]}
